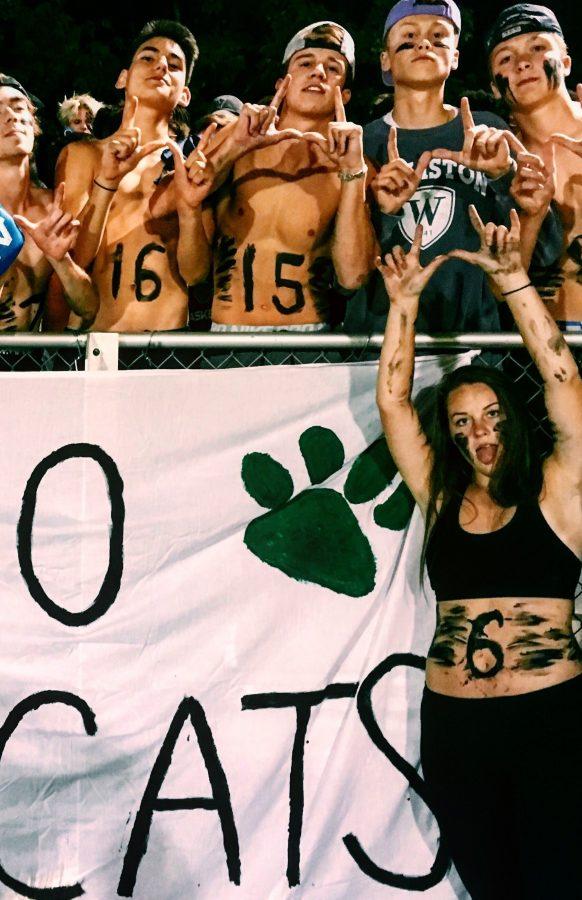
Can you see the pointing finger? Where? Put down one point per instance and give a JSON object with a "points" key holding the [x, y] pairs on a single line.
{"points": [[59, 195], [176, 153], [515, 223], [514, 142], [476, 220], [129, 112], [280, 93], [392, 144], [466, 114], [24, 224], [551, 162], [422, 163], [435, 264], [340, 112], [416, 244], [568, 142], [150, 147], [206, 135], [444, 153]]}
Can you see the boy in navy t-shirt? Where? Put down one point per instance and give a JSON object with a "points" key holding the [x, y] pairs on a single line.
{"points": [[434, 161]]}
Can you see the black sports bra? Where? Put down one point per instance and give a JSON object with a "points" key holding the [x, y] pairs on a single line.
{"points": [[524, 558]]}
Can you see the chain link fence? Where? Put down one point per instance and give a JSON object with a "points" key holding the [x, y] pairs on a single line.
{"points": [[61, 353]]}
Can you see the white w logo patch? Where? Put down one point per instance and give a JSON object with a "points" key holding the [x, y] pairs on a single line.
{"points": [[5, 239], [431, 207]]}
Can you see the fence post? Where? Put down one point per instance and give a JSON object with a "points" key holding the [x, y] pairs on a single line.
{"points": [[102, 352]]}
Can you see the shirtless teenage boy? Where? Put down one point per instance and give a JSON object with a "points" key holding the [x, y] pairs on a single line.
{"points": [[529, 61], [291, 223], [129, 234], [49, 233]]}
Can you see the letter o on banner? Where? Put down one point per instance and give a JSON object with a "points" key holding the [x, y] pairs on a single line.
{"points": [[112, 580]]}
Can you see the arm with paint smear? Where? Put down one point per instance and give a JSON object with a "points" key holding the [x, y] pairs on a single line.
{"points": [[499, 256], [405, 279], [354, 248], [532, 189]]}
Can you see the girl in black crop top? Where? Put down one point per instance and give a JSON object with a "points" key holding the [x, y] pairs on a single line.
{"points": [[501, 742]]}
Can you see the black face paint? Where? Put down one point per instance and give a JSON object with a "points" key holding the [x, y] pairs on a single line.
{"points": [[502, 85], [224, 263], [462, 443], [553, 70], [407, 45]]}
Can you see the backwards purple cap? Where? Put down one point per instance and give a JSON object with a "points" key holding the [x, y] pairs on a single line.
{"points": [[445, 9]]}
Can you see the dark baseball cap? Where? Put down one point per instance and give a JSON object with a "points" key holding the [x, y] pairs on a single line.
{"points": [[228, 102], [9, 81], [444, 9], [523, 18]]}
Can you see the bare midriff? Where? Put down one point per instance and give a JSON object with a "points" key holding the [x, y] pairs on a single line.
{"points": [[502, 646], [135, 271], [272, 253]]}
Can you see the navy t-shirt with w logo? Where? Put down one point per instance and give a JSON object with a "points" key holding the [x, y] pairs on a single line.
{"points": [[457, 297]]}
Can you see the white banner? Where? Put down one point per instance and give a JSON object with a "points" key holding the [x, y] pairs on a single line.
{"points": [[213, 640]]}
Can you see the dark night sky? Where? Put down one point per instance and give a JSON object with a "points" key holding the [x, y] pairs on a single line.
{"points": [[58, 46]]}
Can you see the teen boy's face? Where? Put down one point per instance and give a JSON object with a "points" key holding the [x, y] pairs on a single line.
{"points": [[157, 74], [316, 71], [16, 124], [528, 68], [420, 51]]}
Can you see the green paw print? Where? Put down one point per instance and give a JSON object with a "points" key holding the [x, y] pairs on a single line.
{"points": [[315, 536]]}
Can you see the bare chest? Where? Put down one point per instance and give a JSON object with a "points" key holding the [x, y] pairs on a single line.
{"points": [[290, 196]]}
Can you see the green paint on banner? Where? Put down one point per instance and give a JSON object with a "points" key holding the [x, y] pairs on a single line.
{"points": [[316, 538], [323, 453], [372, 471], [395, 513], [266, 480]]}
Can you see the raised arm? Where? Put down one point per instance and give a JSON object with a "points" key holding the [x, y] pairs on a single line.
{"points": [[354, 248], [396, 183], [499, 256], [193, 181], [405, 279], [55, 235], [91, 193], [533, 189]]}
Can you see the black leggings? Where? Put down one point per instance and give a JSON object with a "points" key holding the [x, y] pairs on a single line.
{"points": [[505, 776]]}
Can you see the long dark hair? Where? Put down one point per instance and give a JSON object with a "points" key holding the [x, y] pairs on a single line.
{"points": [[517, 478]]}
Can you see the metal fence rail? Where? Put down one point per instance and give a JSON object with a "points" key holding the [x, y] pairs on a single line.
{"points": [[117, 352]]}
